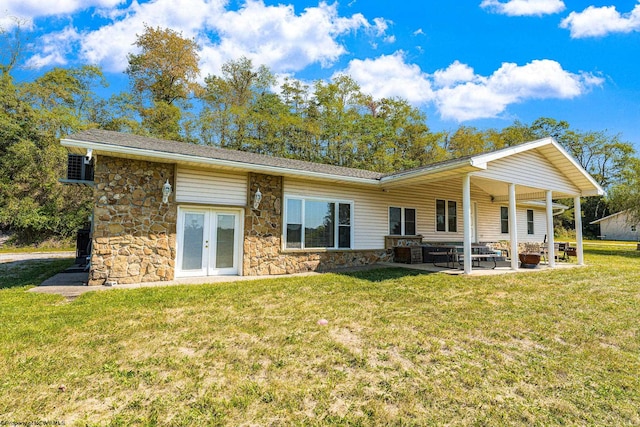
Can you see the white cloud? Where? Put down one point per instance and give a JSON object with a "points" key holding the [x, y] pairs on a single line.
{"points": [[381, 25], [600, 21], [390, 76], [454, 73], [110, 44], [485, 97], [459, 94], [54, 48], [28, 10], [275, 36], [524, 7]]}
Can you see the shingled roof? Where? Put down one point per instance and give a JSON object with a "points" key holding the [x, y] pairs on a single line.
{"points": [[119, 139], [123, 144]]}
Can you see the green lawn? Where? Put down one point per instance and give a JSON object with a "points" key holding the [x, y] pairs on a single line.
{"points": [[547, 348]]}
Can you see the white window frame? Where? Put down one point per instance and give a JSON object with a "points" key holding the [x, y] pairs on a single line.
{"points": [[508, 220], [446, 215], [532, 222], [336, 229], [403, 220]]}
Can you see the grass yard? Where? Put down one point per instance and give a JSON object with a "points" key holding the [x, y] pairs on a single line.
{"points": [[400, 348]]}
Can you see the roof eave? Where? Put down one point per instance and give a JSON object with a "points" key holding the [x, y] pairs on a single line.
{"points": [[408, 175], [177, 158]]}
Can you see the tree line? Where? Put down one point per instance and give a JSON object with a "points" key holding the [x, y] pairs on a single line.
{"points": [[245, 107]]}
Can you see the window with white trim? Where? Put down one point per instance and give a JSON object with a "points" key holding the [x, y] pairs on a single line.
{"points": [[318, 223], [446, 215], [530, 221], [504, 219], [402, 221]]}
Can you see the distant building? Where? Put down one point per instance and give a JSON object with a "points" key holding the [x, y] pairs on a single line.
{"points": [[619, 226]]}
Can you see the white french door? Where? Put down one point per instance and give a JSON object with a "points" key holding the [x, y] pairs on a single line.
{"points": [[209, 241]]}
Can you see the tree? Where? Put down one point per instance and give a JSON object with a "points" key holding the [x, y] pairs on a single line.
{"points": [[166, 68], [33, 203], [467, 141], [64, 99], [626, 194], [606, 157], [337, 103], [230, 101], [163, 77]]}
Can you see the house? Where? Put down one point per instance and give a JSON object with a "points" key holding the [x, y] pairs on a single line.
{"points": [[618, 226], [232, 212]]}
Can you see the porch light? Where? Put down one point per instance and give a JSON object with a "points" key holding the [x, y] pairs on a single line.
{"points": [[257, 198], [166, 192]]}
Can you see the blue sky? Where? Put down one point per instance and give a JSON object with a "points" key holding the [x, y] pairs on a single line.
{"points": [[482, 63]]}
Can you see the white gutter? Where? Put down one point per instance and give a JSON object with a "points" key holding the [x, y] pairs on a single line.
{"points": [[433, 169], [173, 157], [560, 208]]}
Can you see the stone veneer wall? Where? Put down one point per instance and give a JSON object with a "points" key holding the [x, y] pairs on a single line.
{"points": [[263, 253], [134, 233]]}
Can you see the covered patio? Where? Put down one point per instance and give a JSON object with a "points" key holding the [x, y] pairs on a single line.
{"points": [[539, 172]]}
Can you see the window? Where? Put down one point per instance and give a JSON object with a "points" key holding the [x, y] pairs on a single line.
{"points": [[402, 221], [530, 221], [446, 215], [504, 219], [315, 223]]}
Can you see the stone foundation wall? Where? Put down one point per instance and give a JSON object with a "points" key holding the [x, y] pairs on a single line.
{"points": [[391, 242], [289, 263], [263, 253], [263, 226], [134, 233]]}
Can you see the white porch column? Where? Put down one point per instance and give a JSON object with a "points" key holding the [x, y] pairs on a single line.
{"points": [[466, 219], [551, 252], [577, 212], [513, 227]]}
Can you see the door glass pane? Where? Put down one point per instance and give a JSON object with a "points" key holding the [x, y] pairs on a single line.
{"points": [[225, 241], [192, 245]]}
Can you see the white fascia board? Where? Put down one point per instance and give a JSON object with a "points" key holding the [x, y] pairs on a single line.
{"points": [[249, 167], [426, 171], [510, 151], [599, 191]]}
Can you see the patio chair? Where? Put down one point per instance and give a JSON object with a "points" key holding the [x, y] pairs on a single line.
{"points": [[544, 251]]}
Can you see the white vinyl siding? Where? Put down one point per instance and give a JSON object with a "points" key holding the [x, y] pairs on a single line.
{"points": [[530, 169], [619, 227], [211, 187], [371, 211]]}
